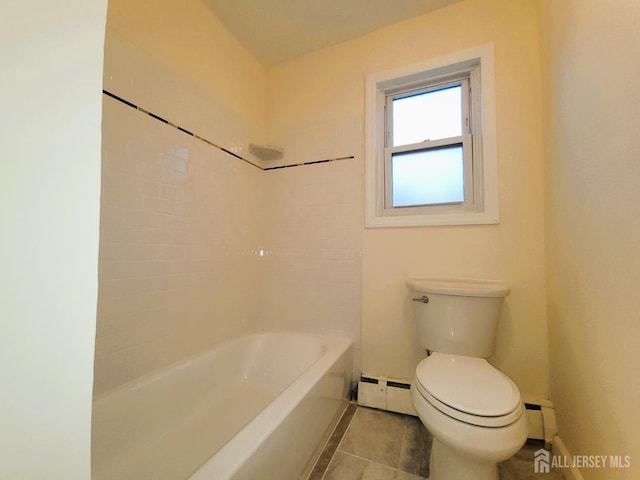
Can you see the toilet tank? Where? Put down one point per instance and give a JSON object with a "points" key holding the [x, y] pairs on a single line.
{"points": [[457, 315]]}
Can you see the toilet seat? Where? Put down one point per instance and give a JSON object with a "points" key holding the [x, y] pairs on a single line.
{"points": [[468, 389]]}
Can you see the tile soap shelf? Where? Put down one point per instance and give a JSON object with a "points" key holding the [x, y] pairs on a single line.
{"points": [[266, 152]]}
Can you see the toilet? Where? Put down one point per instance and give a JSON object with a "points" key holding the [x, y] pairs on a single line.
{"points": [[474, 411]]}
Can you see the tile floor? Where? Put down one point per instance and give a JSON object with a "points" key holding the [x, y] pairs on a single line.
{"points": [[372, 444]]}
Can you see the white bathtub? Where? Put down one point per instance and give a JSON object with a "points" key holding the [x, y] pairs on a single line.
{"points": [[257, 407]]}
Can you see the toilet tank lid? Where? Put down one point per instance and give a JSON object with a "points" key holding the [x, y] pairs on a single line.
{"points": [[467, 287]]}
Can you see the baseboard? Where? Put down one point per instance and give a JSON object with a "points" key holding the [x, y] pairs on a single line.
{"points": [[392, 394], [559, 448]]}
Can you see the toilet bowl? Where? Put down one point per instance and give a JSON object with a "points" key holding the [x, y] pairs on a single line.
{"points": [[473, 411]]}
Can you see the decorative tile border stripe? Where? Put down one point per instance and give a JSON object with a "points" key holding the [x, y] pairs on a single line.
{"points": [[183, 130], [279, 167], [202, 139]]}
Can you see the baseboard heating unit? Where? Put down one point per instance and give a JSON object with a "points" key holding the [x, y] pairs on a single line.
{"points": [[542, 419], [385, 393]]}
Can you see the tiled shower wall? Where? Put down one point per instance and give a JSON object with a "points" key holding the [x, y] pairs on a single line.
{"points": [[313, 229], [197, 245], [180, 222], [178, 260], [313, 257]]}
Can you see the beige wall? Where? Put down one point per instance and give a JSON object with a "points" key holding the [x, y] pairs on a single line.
{"points": [[50, 92], [327, 88], [590, 52], [180, 219], [195, 48]]}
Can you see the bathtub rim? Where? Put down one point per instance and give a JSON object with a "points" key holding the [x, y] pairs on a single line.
{"points": [[200, 356], [228, 460]]}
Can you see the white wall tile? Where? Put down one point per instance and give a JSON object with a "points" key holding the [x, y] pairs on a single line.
{"points": [[166, 289], [314, 242]]}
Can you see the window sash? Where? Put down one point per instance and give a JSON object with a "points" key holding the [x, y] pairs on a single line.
{"points": [[461, 79], [466, 141]]}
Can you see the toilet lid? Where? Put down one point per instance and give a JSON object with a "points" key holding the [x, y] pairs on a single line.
{"points": [[468, 387]]}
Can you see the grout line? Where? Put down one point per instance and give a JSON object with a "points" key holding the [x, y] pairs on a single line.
{"points": [[395, 469], [344, 432], [404, 435], [225, 150]]}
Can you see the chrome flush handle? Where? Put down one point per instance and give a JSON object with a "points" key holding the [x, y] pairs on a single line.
{"points": [[423, 299]]}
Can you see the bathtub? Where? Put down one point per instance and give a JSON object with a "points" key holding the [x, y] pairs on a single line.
{"points": [[256, 407]]}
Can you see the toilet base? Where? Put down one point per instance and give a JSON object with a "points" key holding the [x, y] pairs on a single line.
{"points": [[447, 464]]}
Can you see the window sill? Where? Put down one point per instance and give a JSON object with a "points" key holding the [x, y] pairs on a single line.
{"points": [[470, 218]]}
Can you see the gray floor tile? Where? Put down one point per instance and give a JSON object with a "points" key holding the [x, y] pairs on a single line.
{"points": [[416, 448], [332, 444], [375, 435], [348, 467], [380, 445]]}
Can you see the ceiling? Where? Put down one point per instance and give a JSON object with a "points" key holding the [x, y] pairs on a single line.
{"points": [[275, 31]]}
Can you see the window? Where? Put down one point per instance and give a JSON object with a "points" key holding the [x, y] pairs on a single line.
{"points": [[431, 143]]}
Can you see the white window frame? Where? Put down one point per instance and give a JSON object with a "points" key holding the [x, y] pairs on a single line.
{"points": [[479, 142]]}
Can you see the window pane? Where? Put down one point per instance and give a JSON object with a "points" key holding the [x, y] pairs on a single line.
{"points": [[427, 177], [427, 116]]}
